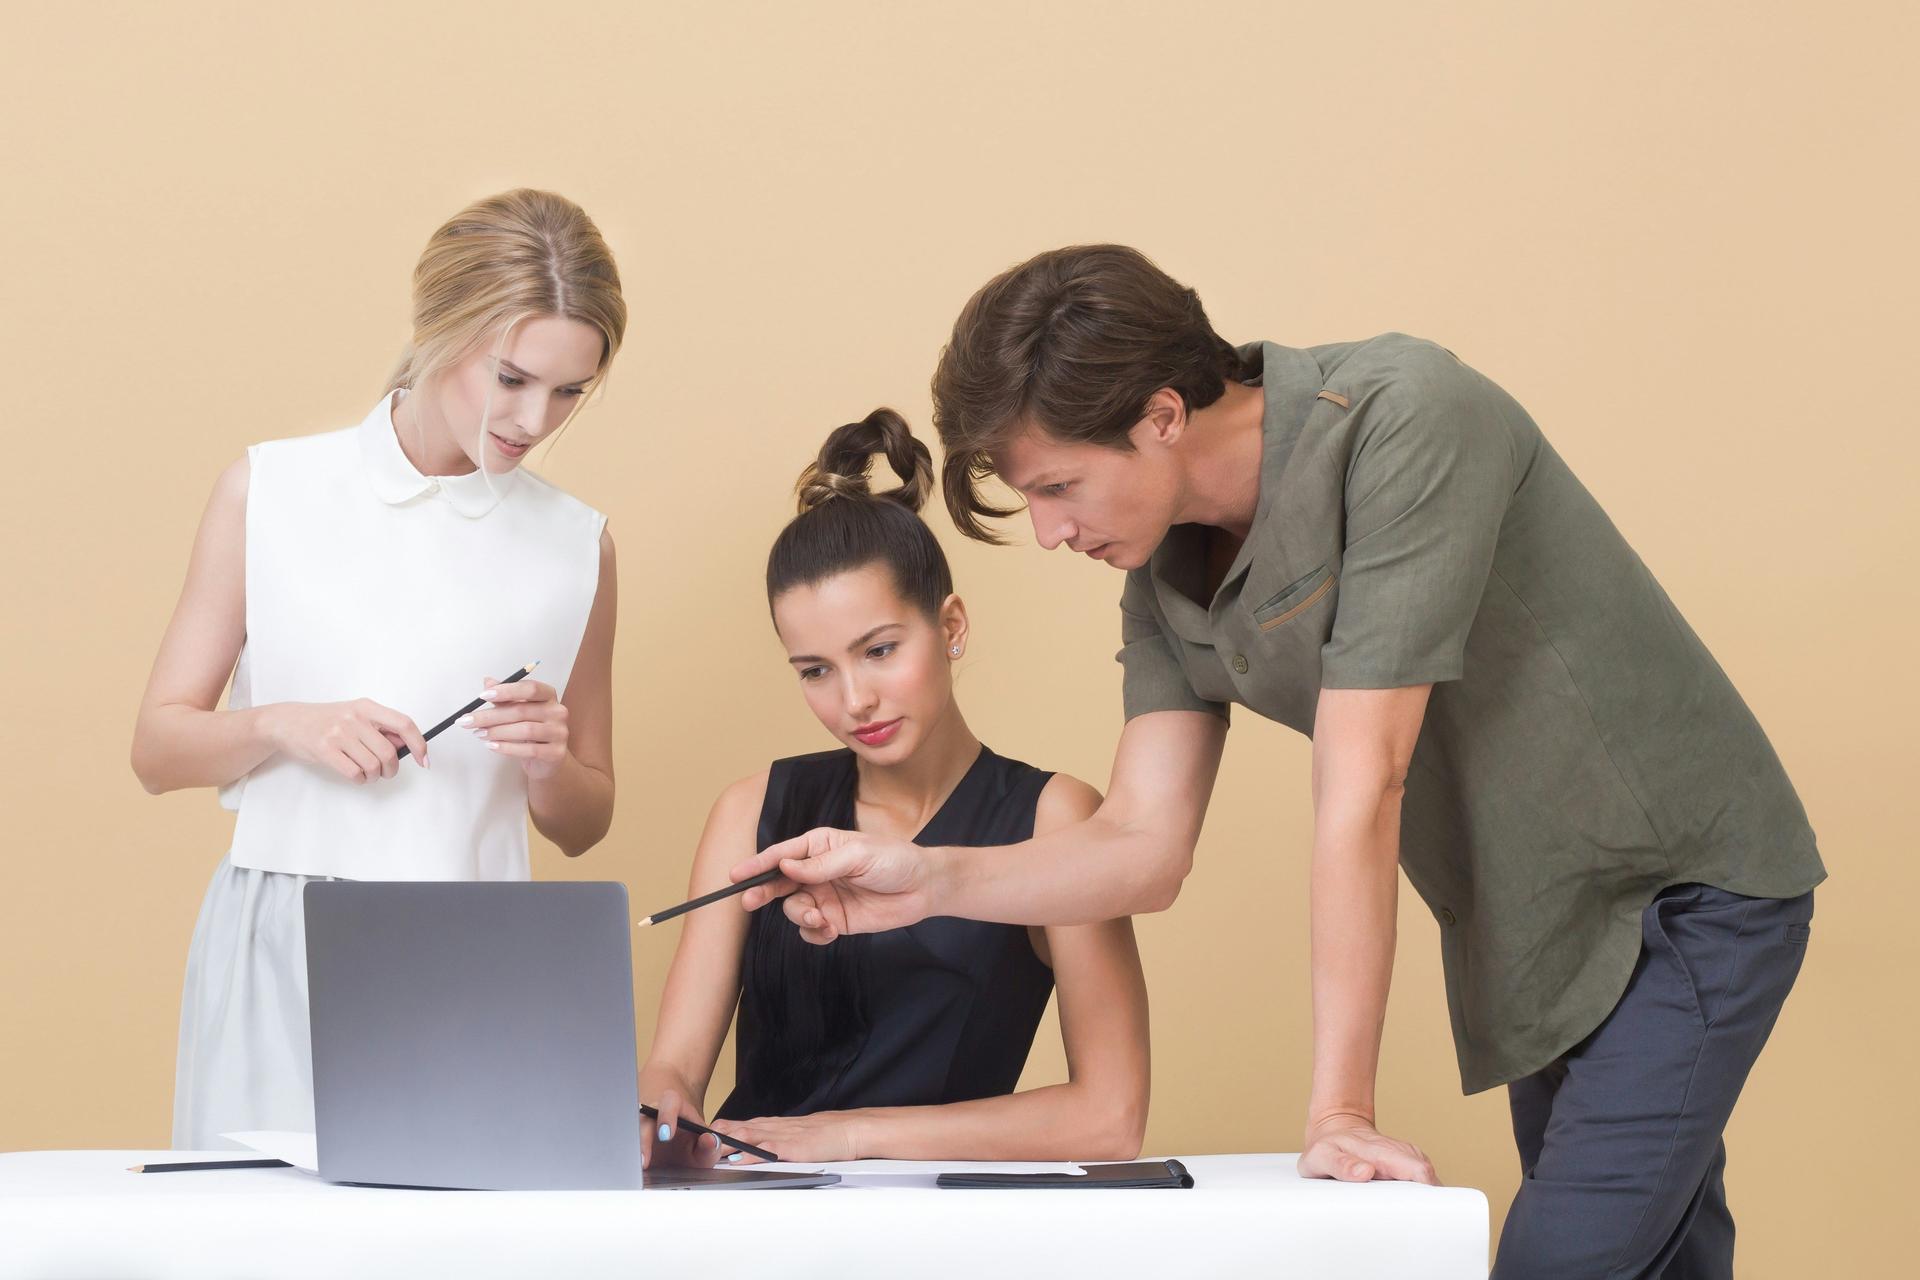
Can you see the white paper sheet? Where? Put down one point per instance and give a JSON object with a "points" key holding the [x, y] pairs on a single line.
{"points": [[936, 1167], [298, 1149], [918, 1173], [301, 1151]]}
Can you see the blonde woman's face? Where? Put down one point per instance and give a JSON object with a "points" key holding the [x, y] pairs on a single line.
{"points": [[524, 393], [875, 669]]}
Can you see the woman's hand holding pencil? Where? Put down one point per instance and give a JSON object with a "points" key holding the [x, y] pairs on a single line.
{"points": [[362, 740], [664, 1139], [820, 1138], [672, 1133], [523, 719], [359, 740]]}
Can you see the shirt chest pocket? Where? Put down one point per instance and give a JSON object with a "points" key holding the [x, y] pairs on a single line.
{"points": [[1296, 600], [1281, 661]]}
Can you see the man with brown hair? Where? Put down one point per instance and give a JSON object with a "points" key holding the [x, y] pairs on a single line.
{"points": [[1374, 544]]}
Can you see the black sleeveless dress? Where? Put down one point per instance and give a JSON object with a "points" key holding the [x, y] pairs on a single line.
{"points": [[941, 1011]]}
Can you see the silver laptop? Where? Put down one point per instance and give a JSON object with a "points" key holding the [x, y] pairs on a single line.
{"points": [[481, 1036]]}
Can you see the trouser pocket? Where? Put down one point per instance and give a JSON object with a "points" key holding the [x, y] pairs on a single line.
{"points": [[1720, 942]]}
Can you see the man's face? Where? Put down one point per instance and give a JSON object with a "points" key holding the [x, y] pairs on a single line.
{"points": [[1114, 505]]}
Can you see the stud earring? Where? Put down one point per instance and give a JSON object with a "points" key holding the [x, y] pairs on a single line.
{"points": [[956, 651]]}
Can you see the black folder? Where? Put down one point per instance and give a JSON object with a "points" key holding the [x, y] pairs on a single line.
{"points": [[1141, 1173]]}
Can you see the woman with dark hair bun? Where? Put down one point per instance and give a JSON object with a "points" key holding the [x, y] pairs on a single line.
{"points": [[907, 1043]]}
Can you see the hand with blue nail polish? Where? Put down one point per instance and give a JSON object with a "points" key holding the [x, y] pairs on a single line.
{"points": [[669, 1142]]}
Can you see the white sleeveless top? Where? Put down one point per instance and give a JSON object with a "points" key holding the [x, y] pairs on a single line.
{"points": [[366, 579]]}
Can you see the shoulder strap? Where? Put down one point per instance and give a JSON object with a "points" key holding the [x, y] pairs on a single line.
{"points": [[804, 792]]}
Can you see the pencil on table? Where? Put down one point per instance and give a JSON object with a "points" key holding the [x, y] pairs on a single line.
{"points": [[185, 1166]]}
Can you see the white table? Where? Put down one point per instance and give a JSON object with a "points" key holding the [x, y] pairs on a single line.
{"points": [[81, 1214]]}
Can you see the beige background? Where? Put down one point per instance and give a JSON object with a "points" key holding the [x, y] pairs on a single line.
{"points": [[1681, 235]]}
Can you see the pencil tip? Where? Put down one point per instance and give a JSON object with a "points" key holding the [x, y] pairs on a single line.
{"points": [[645, 924], [136, 1168]]}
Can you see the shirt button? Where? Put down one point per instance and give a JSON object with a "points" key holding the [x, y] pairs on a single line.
{"points": [[433, 486], [1446, 917], [1240, 663]]}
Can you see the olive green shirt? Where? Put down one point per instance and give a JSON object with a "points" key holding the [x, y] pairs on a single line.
{"points": [[1581, 750]]}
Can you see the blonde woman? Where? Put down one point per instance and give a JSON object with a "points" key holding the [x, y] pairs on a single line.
{"points": [[359, 583]]}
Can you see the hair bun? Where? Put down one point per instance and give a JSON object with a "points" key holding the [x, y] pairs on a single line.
{"points": [[840, 472]]}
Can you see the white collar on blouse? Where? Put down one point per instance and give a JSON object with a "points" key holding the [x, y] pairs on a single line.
{"points": [[396, 480]]}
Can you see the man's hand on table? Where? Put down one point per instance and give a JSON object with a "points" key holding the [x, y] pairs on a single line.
{"points": [[1346, 1147]]}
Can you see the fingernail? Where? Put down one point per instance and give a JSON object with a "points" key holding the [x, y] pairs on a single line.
{"points": [[493, 746], [666, 1134], [479, 733], [734, 1158], [464, 720], [487, 694]]}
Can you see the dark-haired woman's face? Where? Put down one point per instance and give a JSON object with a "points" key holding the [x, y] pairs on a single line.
{"points": [[875, 669]]}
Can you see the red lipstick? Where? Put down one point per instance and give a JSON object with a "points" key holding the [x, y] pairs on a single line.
{"points": [[879, 733]]}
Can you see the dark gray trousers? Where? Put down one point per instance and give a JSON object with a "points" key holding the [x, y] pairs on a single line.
{"points": [[1620, 1147]]}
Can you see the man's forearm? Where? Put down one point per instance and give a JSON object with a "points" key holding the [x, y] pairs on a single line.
{"points": [[1355, 890], [1127, 859], [1099, 869]]}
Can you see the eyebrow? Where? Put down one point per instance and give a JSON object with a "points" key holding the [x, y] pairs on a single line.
{"points": [[1040, 481], [798, 658], [1046, 474], [531, 377]]}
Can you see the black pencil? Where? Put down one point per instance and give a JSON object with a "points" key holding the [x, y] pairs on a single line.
{"points": [[707, 899], [721, 1138], [208, 1164], [475, 705]]}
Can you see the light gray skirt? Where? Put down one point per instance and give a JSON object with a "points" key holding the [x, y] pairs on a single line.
{"points": [[246, 1060]]}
